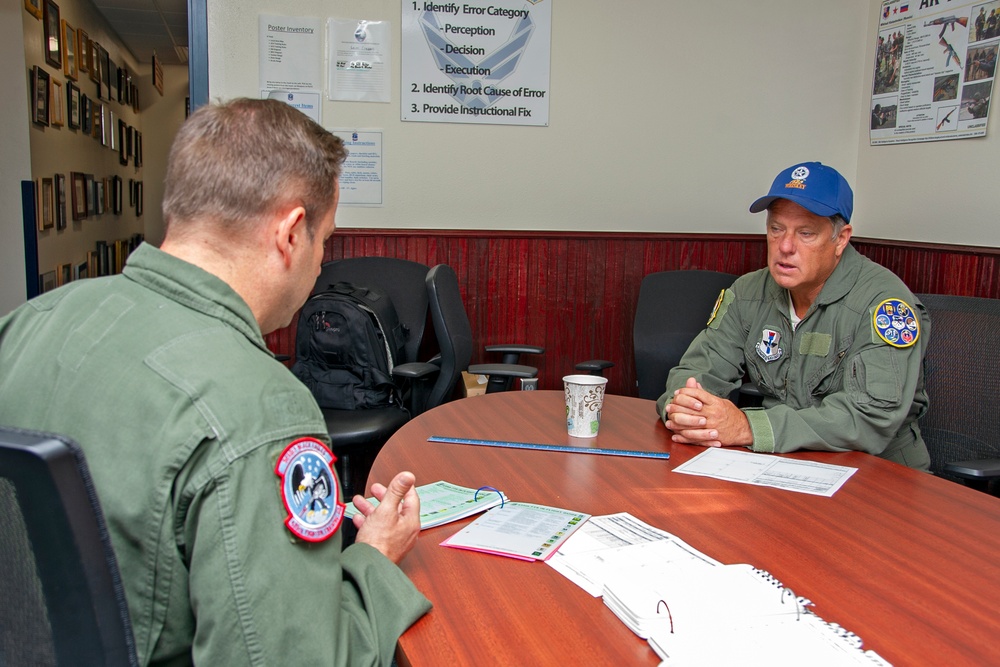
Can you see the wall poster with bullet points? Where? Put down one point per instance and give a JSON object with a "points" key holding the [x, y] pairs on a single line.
{"points": [[476, 61]]}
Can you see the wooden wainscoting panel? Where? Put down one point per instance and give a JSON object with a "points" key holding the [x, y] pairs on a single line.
{"points": [[575, 293]]}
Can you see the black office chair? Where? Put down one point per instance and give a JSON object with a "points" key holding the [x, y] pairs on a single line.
{"points": [[61, 595], [454, 336], [961, 377], [673, 308], [356, 436]]}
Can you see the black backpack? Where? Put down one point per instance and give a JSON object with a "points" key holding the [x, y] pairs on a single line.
{"points": [[348, 340]]}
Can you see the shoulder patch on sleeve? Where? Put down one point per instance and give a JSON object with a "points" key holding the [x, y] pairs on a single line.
{"points": [[310, 490], [895, 322], [721, 306]]}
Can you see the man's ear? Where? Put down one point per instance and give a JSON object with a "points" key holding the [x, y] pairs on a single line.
{"points": [[290, 232], [843, 238]]}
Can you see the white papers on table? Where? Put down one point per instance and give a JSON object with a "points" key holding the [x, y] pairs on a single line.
{"points": [[442, 502], [687, 599], [778, 641], [610, 542], [819, 479], [518, 530]]}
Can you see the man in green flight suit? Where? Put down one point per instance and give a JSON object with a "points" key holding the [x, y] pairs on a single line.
{"points": [[210, 458], [833, 341]]}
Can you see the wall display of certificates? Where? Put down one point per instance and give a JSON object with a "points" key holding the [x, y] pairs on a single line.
{"points": [[934, 70], [476, 61]]}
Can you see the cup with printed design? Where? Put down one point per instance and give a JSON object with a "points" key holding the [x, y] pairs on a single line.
{"points": [[584, 400]]}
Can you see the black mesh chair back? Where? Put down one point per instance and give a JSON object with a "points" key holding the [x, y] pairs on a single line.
{"points": [[61, 596], [452, 328], [673, 308], [961, 375]]}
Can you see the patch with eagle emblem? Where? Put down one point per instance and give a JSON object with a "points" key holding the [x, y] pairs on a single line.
{"points": [[310, 490]]}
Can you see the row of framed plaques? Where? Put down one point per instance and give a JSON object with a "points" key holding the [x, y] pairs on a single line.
{"points": [[81, 113], [107, 258], [89, 197], [73, 52]]}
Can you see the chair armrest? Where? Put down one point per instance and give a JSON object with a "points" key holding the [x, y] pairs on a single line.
{"points": [[594, 366], [511, 353], [976, 469], [414, 370], [504, 370]]}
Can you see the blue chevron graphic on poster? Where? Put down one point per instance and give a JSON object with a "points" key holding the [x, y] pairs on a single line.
{"points": [[478, 62]]}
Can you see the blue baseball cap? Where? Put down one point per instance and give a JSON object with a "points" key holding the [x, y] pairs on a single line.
{"points": [[813, 186]]}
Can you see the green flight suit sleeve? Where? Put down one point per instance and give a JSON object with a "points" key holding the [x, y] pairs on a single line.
{"points": [[261, 597]]}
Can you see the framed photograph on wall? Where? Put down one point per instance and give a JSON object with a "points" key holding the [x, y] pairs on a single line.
{"points": [[56, 104], [78, 194], [91, 194], [70, 51], [47, 205], [94, 64], [53, 40], [72, 106], [138, 199], [98, 114], [105, 74], [92, 263], [64, 274], [83, 57], [100, 195], [81, 270], [122, 144], [116, 195], [137, 149], [47, 282], [86, 115], [40, 95], [60, 201], [34, 7]]}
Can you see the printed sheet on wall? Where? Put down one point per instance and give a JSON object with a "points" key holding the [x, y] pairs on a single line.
{"points": [[934, 70]]}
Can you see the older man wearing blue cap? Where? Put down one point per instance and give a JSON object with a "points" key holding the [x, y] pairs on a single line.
{"points": [[833, 341]]}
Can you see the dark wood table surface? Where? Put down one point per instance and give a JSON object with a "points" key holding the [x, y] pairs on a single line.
{"points": [[908, 561]]}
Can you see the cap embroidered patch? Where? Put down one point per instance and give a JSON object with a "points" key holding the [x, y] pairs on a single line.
{"points": [[310, 490], [896, 323]]}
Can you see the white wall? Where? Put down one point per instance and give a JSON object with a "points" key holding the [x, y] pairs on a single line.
{"points": [[665, 116], [16, 163], [163, 116]]}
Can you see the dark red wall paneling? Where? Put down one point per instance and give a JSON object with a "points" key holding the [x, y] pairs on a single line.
{"points": [[575, 293]]}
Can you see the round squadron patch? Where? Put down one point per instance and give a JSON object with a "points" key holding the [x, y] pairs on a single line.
{"points": [[310, 490], [896, 323]]}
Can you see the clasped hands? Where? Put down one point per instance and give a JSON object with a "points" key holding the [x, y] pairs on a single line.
{"points": [[698, 417]]}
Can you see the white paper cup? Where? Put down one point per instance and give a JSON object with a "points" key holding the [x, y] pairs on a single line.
{"points": [[584, 400]]}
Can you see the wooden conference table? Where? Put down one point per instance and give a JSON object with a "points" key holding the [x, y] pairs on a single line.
{"points": [[908, 561]]}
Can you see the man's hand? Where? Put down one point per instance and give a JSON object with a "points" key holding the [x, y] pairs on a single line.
{"points": [[391, 527], [699, 418]]}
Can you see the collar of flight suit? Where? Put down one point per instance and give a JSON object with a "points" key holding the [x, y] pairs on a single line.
{"points": [[193, 287]]}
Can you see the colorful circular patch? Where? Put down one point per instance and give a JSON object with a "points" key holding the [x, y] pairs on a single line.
{"points": [[896, 323], [310, 490]]}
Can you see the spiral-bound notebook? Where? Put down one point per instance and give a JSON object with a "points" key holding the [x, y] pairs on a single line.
{"points": [[728, 614]]}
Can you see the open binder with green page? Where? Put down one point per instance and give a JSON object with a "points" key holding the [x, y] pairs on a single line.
{"points": [[443, 502]]}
